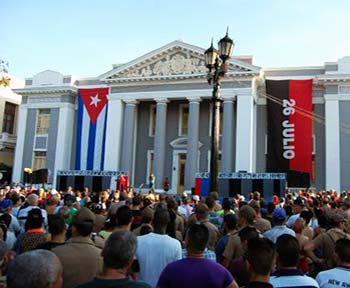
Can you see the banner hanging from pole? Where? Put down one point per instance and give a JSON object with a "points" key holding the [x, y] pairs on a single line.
{"points": [[289, 110]]}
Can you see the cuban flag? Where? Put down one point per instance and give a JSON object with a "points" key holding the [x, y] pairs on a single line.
{"points": [[91, 128]]}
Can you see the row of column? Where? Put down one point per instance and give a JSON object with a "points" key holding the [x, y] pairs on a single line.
{"points": [[244, 137]]}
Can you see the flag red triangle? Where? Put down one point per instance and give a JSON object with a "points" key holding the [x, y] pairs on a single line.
{"points": [[94, 100]]}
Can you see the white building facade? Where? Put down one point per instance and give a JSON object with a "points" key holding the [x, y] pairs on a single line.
{"points": [[159, 118]]}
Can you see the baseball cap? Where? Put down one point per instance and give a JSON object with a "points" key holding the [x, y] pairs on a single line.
{"points": [[4, 204], [83, 215], [195, 197], [279, 214]]}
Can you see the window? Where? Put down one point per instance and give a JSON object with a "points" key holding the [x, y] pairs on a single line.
{"points": [[183, 125], [39, 160], [152, 120], [43, 121], [9, 118]]}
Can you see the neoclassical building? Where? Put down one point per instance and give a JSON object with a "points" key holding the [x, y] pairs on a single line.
{"points": [[158, 118]]}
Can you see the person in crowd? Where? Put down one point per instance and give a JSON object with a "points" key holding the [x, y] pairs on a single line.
{"points": [[287, 274], [109, 227], [234, 249], [201, 215], [298, 206], [33, 203], [100, 218], [57, 230], [260, 258], [147, 219], [213, 216], [230, 227], [80, 258], [303, 241], [227, 206], [261, 224], [6, 208], [155, 250], [308, 231], [239, 266], [118, 257], [35, 269], [136, 211], [280, 228], [34, 234], [207, 273], [340, 275], [185, 209], [5, 258], [51, 205], [325, 242], [124, 218]]}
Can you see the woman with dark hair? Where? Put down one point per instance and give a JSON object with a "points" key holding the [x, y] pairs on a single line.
{"points": [[9, 236], [34, 232]]}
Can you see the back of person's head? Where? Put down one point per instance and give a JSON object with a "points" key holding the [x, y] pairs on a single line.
{"points": [[146, 229], [161, 218], [210, 201], [171, 203], [147, 215], [83, 221], [57, 224], [119, 249], [15, 198], [215, 195], [270, 208], [306, 215], [35, 269], [247, 233], [33, 199], [197, 237], [287, 248], [342, 249], [231, 221], [227, 204], [255, 205], [247, 213], [201, 211], [124, 215], [34, 219], [123, 196], [260, 255], [137, 200]]}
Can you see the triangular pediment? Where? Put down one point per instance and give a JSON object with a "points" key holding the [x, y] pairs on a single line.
{"points": [[175, 60]]}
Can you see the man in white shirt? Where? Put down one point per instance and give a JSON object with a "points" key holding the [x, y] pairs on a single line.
{"points": [[340, 275], [156, 250], [33, 202]]}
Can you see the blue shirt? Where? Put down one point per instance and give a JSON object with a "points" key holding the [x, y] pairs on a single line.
{"points": [[277, 231]]}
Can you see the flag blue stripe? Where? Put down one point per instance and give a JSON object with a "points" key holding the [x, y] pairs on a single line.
{"points": [[91, 147], [104, 139], [79, 131]]}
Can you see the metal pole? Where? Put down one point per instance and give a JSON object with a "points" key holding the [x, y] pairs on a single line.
{"points": [[215, 130]]}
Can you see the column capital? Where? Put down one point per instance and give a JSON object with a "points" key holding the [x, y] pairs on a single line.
{"points": [[132, 102], [162, 100], [194, 99]]}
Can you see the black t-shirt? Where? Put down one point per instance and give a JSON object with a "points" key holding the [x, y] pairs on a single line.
{"points": [[114, 283]]}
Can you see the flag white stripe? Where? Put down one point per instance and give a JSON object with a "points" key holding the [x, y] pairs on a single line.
{"points": [[99, 139], [84, 140]]}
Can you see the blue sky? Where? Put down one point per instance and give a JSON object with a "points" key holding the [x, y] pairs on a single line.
{"points": [[84, 37]]}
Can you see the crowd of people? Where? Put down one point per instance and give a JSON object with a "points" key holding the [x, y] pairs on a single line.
{"points": [[85, 239]]}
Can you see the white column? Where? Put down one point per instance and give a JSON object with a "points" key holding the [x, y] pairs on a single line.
{"points": [[227, 135], [244, 132], [192, 142], [22, 122], [332, 142], [64, 139], [114, 134]]}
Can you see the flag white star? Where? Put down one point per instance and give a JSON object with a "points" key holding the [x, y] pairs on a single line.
{"points": [[95, 100]]}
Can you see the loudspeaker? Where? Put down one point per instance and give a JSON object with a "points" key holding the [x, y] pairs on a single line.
{"points": [[298, 179]]}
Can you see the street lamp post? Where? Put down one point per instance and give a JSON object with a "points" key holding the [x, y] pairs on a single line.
{"points": [[215, 61]]}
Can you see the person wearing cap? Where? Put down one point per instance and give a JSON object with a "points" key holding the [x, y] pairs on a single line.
{"points": [[6, 208], [234, 249], [261, 224], [325, 242], [280, 228], [80, 258], [298, 206]]}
